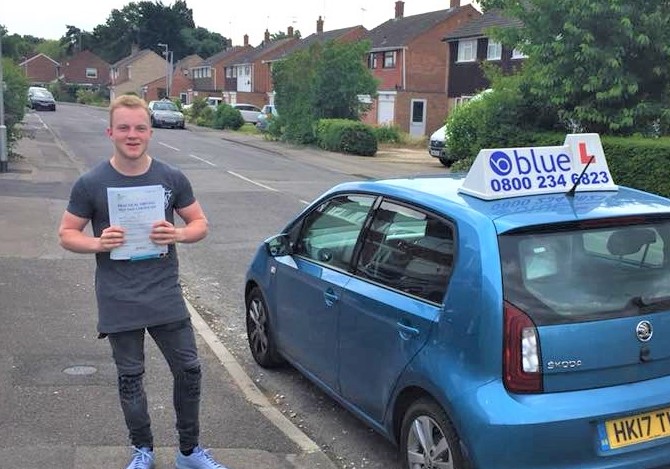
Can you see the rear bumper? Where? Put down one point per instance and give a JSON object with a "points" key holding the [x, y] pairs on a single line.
{"points": [[560, 430]]}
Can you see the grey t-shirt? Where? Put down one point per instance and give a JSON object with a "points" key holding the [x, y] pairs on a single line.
{"points": [[133, 294]]}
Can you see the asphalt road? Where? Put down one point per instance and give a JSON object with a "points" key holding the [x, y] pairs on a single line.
{"points": [[249, 190]]}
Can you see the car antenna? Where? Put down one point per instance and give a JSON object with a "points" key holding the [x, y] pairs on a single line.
{"points": [[571, 192]]}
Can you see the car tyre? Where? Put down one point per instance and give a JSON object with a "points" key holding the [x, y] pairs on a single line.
{"points": [[446, 162], [259, 331], [428, 439]]}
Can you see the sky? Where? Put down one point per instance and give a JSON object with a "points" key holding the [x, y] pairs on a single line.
{"points": [[233, 19]]}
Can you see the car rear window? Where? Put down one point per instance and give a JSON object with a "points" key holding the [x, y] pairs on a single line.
{"points": [[578, 273]]}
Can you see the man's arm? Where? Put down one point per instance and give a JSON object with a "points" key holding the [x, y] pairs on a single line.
{"points": [[194, 230], [72, 236]]}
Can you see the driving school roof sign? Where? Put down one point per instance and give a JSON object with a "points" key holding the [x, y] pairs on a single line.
{"points": [[578, 165]]}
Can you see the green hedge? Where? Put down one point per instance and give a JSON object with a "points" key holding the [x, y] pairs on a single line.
{"points": [[346, 136], [639, 162], [642, 163]]}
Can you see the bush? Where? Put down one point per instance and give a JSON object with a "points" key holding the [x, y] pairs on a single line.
{"points": [[346, 136], [88, 96], [198, 110], [227, 117], [204, 118], [15, 99], [388, 134]]}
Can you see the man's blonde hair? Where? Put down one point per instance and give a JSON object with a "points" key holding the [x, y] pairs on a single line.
{"points": [[128, 101]]}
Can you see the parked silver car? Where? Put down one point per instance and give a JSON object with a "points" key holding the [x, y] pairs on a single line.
{"points": [[164, 113]]}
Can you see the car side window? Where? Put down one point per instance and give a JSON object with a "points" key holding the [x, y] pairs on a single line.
{"points": [[330, 232], [408, 250]]}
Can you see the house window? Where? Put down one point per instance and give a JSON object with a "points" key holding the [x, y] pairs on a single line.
{"points": [[462, 100], [389, 59], [229, 72], [518, 54], [183, 97], [494, 51], [91, 73], [209, 73], [467, 50], [372, 61], [234, 72]]}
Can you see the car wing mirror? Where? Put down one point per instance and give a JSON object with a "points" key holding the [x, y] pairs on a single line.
{"points": [[278, 245]]}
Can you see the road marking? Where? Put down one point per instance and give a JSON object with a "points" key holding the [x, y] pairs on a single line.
{"points": [[41, 121], [304, 202], [253, 182], [247, 386], [203, 160], [168, 146]]}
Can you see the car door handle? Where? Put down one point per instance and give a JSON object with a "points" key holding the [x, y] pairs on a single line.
{"points": [[330, 297], [406, 331]]}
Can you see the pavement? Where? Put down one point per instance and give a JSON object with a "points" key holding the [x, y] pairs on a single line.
{"points": [[59, 406]]}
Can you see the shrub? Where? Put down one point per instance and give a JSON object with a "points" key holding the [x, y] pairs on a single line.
{"points": [[388, 134], [204, 118], [227, 117], [346, 136]]}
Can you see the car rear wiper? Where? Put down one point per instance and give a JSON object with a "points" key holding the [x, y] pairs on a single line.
{"points": [[647, 302]]}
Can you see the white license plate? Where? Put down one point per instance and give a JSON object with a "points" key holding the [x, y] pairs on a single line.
{"points": [[437, 153]]}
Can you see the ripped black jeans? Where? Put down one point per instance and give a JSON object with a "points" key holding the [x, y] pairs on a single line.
{"points": [[177, 343]]}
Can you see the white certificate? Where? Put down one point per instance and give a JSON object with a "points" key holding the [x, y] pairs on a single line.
{"points": [[136, 209]]}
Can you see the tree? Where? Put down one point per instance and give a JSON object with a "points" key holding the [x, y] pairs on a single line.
{"points": [[52, 48], [324, 81], [145, 24], [283, 35], [15, 98], [603, 64]]}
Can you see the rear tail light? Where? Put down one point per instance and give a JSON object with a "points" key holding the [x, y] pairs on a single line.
{"points": [[522, 372]]}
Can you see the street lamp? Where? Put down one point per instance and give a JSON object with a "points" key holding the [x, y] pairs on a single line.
{"points": [[3, 128], [166, 53]]}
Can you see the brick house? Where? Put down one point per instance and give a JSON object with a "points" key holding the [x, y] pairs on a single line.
{"points": [[132, 73], [407, 59], [469, 47], [182, 81], [247, 77], [40, 70], [208, 77], [350, 34], [85, 69]]}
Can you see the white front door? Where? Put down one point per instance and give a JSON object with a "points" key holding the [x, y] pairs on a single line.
{"points": [[417, 122], [385, 109]]}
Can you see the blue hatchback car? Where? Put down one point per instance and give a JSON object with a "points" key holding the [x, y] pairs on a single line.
{"points": [[514, 317]]}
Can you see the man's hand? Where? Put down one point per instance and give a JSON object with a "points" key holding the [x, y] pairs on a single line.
{"points": [[164, 232], [111, 237]]}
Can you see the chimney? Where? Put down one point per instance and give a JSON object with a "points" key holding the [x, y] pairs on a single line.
{"points": [[267, 37], [319, 26], [230, 43], [246, 40], [455, 4], [134, 48], [400, 9], [290, 31]]}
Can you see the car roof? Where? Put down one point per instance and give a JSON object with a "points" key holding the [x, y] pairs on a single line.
{"points": [[440, 193]]}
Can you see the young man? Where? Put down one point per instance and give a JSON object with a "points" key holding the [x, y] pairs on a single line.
{"points": [[141, 294]]}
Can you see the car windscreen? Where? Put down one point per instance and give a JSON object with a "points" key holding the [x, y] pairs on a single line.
{"points": [[165, 107], [588, 272], [42, 94]]}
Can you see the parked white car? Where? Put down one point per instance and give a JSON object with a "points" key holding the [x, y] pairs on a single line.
{"points": [[249, 112]]}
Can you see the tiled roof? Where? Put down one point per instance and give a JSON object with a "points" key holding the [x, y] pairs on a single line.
{"points": [[264, 50], [132, 58], [399, 32], [477, 27], [314, 39], [219, 56]]}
